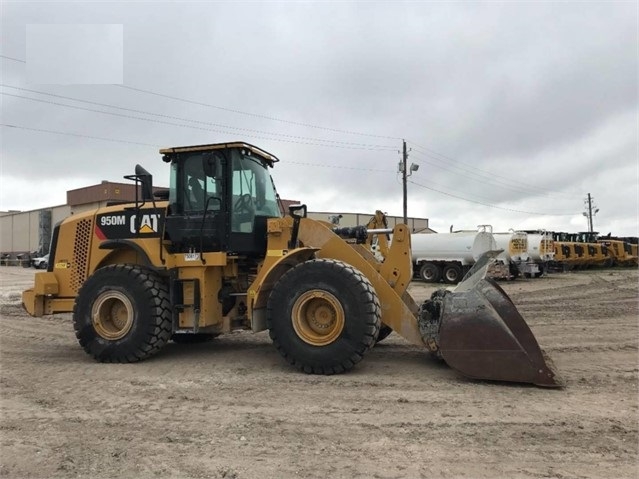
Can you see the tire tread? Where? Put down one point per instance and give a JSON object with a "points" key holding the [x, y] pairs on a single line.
{"points": [[370, 303], [157, 333]]}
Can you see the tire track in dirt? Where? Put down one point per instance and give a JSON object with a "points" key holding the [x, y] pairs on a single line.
{"points": [[232, 408]]}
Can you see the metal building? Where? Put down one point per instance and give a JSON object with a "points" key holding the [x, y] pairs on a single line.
{"points": [[29, 232]]}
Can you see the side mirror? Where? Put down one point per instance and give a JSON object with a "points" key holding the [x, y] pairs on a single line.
{"points": [[209, 164], [146, 179], [297, 211]]}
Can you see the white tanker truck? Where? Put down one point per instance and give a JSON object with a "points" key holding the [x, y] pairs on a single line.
{"points": [[449, 256], [541, 248], [515, 254]]}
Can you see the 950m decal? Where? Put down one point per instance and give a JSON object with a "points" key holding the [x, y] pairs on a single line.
{"points": [[130, 224]]}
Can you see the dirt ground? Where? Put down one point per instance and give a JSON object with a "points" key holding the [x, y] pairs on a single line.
{"points": [[233, 408]]}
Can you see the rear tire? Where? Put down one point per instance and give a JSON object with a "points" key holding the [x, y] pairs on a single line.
{"points": [[452, 273], [323, 316], [431, 273], [122, 314]]}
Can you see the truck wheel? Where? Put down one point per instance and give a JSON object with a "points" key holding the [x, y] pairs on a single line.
{"points": [[430, 273], [122, 314], [323, 316], [452, 274], [514, 271]]}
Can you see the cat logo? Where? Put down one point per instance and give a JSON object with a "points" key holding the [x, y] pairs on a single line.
{"points": [[147, 224]]}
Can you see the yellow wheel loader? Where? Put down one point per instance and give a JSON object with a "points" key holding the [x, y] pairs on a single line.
{"points": [[214, 254]]}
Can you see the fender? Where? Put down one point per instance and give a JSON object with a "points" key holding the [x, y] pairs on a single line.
{"points": [[272, 270], [124, 243]]}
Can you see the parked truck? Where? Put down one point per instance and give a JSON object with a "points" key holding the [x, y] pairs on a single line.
{"points": [[541, 249], [449, 256], [515, 254]]}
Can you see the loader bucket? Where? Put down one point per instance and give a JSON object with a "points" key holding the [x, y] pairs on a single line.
{"points": [[483, 336]]}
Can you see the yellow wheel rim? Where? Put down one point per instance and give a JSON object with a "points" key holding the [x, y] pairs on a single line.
{"points": [[318, 317], [112, 315]]}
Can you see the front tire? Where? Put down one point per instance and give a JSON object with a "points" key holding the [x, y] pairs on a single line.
{"points": [[122, 314], [323, 316]]}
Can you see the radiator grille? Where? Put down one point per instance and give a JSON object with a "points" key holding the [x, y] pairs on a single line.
{"points": [[80, 253]]}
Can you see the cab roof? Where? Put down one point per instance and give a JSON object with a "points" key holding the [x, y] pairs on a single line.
{"points": [[222, 146]]}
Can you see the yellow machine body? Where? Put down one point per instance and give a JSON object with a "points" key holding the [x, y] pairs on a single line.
{"points": [[136, 276]]}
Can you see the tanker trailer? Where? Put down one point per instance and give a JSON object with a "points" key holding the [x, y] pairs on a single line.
{"points": [[541, 249], [449, 256], [515, 253]]}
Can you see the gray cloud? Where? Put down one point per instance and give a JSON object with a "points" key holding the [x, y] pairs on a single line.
{"points": [[545, 96]]}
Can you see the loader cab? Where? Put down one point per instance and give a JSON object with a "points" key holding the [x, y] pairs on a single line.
{"points": [[220, 198]]}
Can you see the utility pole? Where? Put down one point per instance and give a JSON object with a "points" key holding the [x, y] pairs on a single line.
{"points": [[404, 180], [406, 172], [591, 210]]}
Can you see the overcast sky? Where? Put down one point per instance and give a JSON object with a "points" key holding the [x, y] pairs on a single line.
{"points": [[514, 112]]}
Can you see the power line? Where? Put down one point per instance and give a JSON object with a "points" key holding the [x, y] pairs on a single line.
{"points": [[114, 140], [256, 115], [340, 167], [489, 205], [189, 126], [446, 187], [474, 178], [11, 58], [490, 178], [239, 112], [484, 173], [217, 125], [448, 168], [78, 135]]}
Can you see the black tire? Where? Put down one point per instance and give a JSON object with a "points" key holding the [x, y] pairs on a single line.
{"points": [[452, 273], [384, 332], [188, 338], [514, 271], [132, 314], [323, 316], [430, 272]]}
